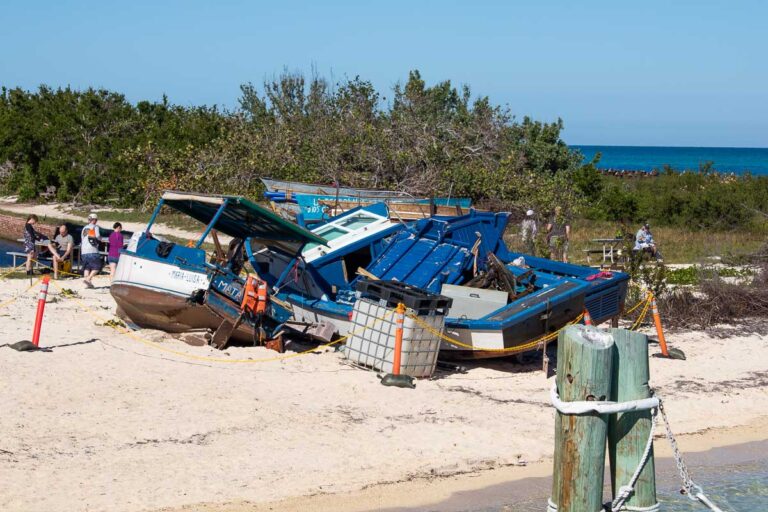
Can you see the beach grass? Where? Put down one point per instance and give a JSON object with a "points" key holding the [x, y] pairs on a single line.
{"points": [[676, 244]]}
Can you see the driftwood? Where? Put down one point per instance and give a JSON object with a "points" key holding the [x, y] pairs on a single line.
{"points": [[499, 277]]}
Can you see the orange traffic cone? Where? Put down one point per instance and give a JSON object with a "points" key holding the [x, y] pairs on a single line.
{"points": [[665, 352]]}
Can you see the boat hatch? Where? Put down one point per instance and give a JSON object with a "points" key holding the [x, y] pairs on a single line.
{"points": [[239, 217], [347, 229]]}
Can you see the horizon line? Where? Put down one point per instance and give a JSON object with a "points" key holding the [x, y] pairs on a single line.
{"points": [[668, 146]]}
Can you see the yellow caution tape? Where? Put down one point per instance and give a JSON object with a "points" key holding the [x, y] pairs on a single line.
{"points": [[519, 348], [12, 270], [17, 297], [641, 316]]}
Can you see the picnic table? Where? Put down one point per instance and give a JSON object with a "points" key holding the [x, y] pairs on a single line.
{"points": [[609, 250]]}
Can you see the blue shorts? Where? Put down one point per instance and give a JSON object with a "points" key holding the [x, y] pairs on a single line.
{"points": [[92, 262], [112, 259]]}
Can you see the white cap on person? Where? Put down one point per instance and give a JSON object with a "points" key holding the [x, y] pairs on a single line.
{"points": [[529, 213], [92, 216]]}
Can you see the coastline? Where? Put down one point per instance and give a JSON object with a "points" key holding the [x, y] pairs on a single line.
{"points": [[495, 488]]}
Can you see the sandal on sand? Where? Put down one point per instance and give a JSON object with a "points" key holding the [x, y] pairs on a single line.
{"points": [[88, 284]]}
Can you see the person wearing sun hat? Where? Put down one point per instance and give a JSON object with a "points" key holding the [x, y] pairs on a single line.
{"points": [[528, 232], [89, 250], [644, 242]]}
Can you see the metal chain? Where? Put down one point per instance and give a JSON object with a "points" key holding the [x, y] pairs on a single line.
{"points": [[690, 488], [688, 483]]}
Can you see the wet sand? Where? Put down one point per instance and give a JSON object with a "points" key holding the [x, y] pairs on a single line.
{"points": [[501, 489]]}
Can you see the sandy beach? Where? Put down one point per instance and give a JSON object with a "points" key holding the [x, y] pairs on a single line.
{"points": [[106, 421]]}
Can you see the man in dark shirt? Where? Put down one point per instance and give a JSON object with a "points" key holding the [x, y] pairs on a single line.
{"points": [[558, 236]]}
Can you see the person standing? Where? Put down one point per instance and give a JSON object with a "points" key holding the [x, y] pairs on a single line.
{"points": [[528, 232], [558, 236], [116, 242], [64, 245], [31, 235], [89, 250]]}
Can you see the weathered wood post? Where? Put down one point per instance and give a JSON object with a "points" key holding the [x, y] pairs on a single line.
{"points": [[628, 432], [584, 360]]}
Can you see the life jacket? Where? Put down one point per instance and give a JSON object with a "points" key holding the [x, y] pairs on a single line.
{"points": [[255, 296]]}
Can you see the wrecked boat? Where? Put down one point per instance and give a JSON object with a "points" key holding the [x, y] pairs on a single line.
{"points": [[177, 288], [444, 255], [309, 204]]}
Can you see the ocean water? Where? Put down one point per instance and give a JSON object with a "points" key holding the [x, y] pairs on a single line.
{"points": [[732, 487], [734, 477], [647, 158]]}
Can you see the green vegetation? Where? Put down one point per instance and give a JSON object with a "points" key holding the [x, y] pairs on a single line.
{"points": [[693, 275], [678, 244], [96, 147], [701, 200]]}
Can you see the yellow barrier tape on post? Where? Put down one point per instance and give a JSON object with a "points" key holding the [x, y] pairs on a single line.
{"points": [[519, 348], [12, 270], [17, 297], [633, 308], [641, 316]]}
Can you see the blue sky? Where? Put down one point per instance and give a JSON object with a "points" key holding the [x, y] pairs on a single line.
{"points": [[635, 73]]}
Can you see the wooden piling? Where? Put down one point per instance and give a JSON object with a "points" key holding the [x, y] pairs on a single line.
{"points": [[628, 432], [584, 361]]}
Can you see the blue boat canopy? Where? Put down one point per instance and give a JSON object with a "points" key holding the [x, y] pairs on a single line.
{"points": [[239, 217]]}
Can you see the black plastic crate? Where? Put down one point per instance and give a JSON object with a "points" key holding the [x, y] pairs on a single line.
{"points": [[395, 292]]}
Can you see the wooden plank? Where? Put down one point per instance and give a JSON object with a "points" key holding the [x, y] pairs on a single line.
{"points": [[584, 360], [628, 432], [361, 271]]}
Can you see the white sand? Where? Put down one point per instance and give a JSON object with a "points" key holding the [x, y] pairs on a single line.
{"points": [[104, 422]]}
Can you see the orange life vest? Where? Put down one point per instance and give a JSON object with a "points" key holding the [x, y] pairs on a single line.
{"points": [[255, 295]]}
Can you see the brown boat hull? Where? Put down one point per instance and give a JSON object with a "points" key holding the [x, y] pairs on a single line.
{"points": [[155, 309]]}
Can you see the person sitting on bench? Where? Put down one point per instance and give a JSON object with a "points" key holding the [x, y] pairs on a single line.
{"points": [[644, 242], [62, 248]]}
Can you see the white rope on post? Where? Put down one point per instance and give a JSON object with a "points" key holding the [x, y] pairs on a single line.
{"points": [[693, 490], [600, 407]]}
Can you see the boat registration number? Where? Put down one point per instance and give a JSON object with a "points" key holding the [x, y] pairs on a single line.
{"points": [[190, 277]]}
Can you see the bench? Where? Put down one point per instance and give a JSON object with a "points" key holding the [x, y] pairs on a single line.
{"points": [[590, 252], [609, 250], [35, 264], [46, 261], [49, 192]]}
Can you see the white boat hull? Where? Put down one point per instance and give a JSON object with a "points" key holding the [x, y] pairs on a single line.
{"points": [[155, 294]]}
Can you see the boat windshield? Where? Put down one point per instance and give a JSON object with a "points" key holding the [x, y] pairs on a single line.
{"points": [[341, 227], [355, 222]]}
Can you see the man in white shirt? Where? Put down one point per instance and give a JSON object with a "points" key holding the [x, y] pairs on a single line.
{"points": [[63, 245], [89, 250], [528, 232]]}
